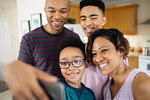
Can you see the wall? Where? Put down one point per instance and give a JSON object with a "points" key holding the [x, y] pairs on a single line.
{"points": [[28, 7], [9, 36]]}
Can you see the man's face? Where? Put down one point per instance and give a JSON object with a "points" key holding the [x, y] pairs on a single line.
{"points": [[57, 14], [92, 19]]}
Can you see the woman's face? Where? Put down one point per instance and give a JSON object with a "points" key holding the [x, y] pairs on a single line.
{"points": [[72, 74], [105, 56]]}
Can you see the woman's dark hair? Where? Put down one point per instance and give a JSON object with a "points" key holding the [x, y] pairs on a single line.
{"points": [[114, 36], [72, 42], [97, 3]]}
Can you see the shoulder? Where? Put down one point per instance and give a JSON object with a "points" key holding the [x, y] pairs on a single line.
{"points": [[38, 32], [67, 31], [141, 86]]}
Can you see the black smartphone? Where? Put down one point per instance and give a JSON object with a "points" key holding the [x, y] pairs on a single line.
{"points": [[55, 91]]}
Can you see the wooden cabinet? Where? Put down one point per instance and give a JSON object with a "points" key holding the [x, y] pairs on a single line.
{"points": [[75, 13], [133, 61], [123, 18]]}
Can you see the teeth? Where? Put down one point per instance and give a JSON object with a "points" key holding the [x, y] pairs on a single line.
{"points": [[57, 22], [73, 74], [102, 65], [88, 29]]}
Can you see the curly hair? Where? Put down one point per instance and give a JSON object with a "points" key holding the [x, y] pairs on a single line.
{"points": [[114, 36]]}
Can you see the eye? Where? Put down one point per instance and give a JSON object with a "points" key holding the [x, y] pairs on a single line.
{"points": [[63, 63], [93, 18], [104, 50], [52, 11], [63, 12], [93, 54], [83, 19], [77, 61]]}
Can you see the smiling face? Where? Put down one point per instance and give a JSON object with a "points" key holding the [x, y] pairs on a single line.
{"points": [[72, 75], [57, 14], [91, 19], [105, 56]]}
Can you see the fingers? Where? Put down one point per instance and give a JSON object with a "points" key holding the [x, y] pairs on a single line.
{"points": [[39, 92], [45, 77], [22, 80]]}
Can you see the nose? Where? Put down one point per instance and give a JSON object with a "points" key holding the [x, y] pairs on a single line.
{"points": [[99, 58], [57, 15], [71, 67], [88, 22]]}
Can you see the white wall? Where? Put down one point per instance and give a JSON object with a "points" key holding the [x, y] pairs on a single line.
{"points": [[28, 7], [10, 15], [8, 36]]}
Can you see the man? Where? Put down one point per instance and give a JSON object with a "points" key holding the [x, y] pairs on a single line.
{"points": [[92, 18], [40, 46]]}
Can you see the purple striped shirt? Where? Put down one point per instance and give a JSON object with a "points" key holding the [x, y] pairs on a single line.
{"points": [[40, 49]]}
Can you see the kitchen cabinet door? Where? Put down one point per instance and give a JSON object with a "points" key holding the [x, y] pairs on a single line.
{"points": [[75, 13], [123, 18], [133, 61]]}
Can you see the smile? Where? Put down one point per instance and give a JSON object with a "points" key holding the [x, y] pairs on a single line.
{"points": [[57, 23], [89, 29], [73, 75], [102, 65]]}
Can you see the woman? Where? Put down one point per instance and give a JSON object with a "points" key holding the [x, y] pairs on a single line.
{"points": [[107, 49]]}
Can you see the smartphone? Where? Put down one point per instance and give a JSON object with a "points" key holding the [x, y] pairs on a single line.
{"points": [[55, 91]]}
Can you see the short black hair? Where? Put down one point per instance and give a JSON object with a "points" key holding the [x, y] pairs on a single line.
{"points": [[98, 3], [114, 36], [72, 42]]}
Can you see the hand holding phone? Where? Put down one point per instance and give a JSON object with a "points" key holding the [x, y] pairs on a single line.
{"points": [[55, 91]]}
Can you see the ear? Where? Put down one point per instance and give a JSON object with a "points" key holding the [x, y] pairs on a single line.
{"points": [[45, 9], [104, 21]]}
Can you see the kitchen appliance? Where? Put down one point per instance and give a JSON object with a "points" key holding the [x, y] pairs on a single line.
{"points": [[147, 51], [144, 64]]}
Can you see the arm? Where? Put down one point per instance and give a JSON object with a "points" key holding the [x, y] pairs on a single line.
{"points": [[26, 51], [22, 80], [141, 87]]}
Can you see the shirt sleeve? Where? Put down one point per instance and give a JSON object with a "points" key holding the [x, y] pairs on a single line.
{"points": [[25, 53]]}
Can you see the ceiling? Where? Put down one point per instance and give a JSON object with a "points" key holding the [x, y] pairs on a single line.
{"points": [[12, 3], [8, 4]]}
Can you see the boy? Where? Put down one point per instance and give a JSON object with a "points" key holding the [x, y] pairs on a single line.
{"points": [[72, 64]]}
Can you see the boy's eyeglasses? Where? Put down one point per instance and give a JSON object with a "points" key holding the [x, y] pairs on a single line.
{"points": [[75, 63]]}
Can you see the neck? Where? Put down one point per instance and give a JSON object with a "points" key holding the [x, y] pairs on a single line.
{"points": [[121, 74], [74, 84], [49, 29]]}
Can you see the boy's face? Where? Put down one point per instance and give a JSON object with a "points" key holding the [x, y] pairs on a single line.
{"points": [[91, 19], [72, 74]]}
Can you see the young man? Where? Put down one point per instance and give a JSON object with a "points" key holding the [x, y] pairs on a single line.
{"points": [[40, 46], [92, 18]]}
